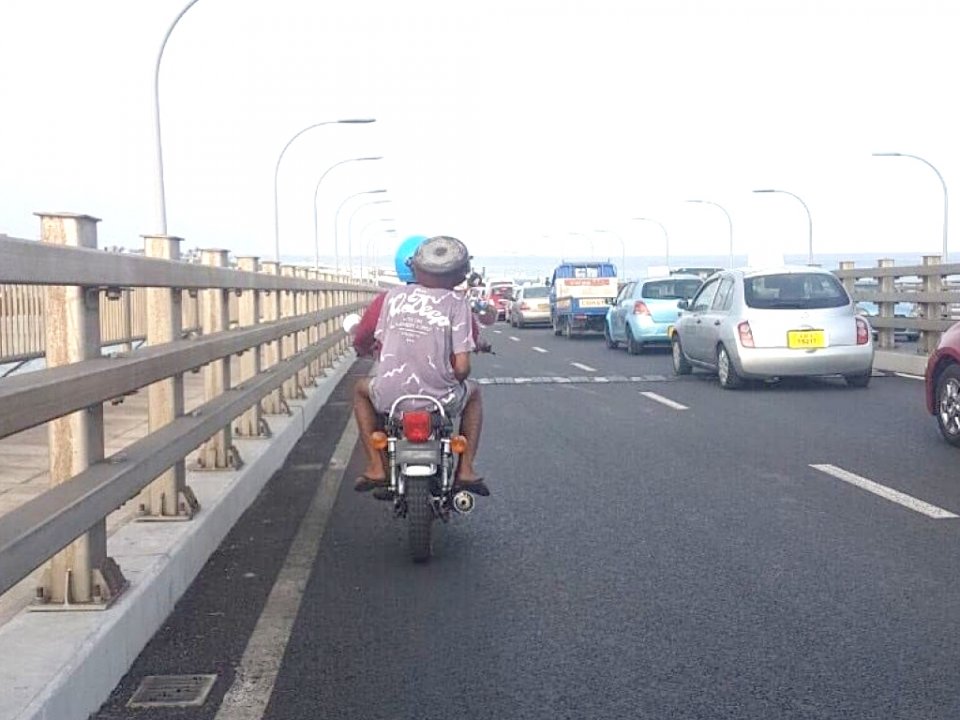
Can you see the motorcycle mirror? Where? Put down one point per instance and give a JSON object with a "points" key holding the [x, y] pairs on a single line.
{"points": [[350, 323]]}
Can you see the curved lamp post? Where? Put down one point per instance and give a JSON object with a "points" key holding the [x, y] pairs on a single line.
{"points": [[729, 222], [276, 173], [161, 198], [944, 184], [353, 213], [623, 250], [336, 222], [666, 237], [809, 220], [316, 192], [363, 232]]}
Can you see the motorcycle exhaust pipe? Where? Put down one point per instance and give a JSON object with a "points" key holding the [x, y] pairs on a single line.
{"points": [[463, 502]]}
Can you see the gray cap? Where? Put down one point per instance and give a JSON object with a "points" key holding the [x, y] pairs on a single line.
{"points": [[441, 255]]}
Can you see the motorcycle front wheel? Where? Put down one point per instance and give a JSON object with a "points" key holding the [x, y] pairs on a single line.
{"points": [[419, 518]]}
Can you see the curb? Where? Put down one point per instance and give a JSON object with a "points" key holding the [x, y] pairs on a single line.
{"points": [[893, 361], [63, 666]]}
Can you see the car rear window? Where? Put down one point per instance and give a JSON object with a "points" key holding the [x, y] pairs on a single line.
{"points": [[801, 291], [536, 292], [679, 289]]}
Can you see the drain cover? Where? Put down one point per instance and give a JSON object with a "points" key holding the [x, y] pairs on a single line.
{"points": [[172, 691]]}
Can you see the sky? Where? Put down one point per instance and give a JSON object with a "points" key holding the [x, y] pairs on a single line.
{"points": [[522, 127]]}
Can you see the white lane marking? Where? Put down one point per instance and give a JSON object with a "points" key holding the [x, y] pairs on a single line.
{"points": [[909, 376], [539, 349], [887, 493], [253, 683], [587, 368], [515, 338], [498, 332], [664, 401]]}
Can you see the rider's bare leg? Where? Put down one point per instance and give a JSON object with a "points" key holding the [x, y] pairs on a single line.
{"points": [[471, 423], [366, 416]]}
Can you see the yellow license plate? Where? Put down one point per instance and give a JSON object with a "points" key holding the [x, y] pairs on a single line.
{"points": [[593, 302], [805, 339]]}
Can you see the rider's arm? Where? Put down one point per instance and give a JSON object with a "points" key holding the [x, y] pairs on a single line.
{"points": [[363, 340], [461, 366]]}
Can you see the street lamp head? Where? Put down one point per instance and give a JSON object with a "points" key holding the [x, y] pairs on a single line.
{"points": [[356, 121], [378, 157], [888, 154], [374, 192], [766, 190]]}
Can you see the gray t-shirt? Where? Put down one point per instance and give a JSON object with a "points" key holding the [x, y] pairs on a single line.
{"points": [[419, 330]]}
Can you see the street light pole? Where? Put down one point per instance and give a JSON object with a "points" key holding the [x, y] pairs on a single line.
{"points": [[729, 222], [336, 223], [942, 183], [363, 232], [623, 250], [161, 198], [809, 220], [276, 174], [666, 238], [316, 192], [350, 233]]}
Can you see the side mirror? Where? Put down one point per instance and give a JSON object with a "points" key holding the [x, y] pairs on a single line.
{"points": [[350, 323], [683, 304]]}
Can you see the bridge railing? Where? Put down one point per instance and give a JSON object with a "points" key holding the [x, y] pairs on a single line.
{"points": [[933, 287], [286, 330]]}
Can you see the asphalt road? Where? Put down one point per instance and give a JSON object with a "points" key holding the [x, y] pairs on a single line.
{"points": [[673, 554]]}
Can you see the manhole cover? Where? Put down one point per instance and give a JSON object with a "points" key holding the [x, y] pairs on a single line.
{"points": [[172, 691]]}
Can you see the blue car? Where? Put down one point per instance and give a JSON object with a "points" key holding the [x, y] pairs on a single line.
{"points": [[645, 311]]}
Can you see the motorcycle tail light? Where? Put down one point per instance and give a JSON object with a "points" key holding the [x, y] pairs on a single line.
{"points": [[746, 334], [458, 444], [640, 308], [863, 332], [378, 440], [416, 426]]}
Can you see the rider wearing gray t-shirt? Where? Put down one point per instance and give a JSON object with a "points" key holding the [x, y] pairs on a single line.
{"points": [[420, 330]]}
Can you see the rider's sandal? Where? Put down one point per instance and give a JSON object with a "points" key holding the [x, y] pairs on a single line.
{"points": [[366, 484], [477, 487]]}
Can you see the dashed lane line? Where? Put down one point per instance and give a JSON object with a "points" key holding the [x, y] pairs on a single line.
{"points": [[585, 368], [539, 349], [886, 493], [498, 332], [581, 379], [664, 401], [515, 338]]}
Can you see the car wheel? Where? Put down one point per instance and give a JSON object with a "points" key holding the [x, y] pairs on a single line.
{"points": [[858, 381], [608, 337], [520, 322], [633, 347], [556, 327], [948, 404], [681, 366], [729, 378], [567, 329]]}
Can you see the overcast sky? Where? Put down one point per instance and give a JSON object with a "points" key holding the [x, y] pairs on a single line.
{"points": [[508, 123]]}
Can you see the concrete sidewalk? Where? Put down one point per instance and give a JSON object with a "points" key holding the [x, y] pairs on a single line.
{"points": [[62, 666]]}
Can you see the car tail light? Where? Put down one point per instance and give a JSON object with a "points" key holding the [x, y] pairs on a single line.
{"points": [[863, 332], [416, 426], [524, 306], [746, 334], [640, 308]]}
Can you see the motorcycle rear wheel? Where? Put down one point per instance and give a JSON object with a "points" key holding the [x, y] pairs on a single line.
{"points": [[419, 518]]}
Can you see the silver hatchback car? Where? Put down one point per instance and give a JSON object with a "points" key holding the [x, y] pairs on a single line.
{"points": [[778, 322]]}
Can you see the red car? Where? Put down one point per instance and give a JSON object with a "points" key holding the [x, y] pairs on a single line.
{"points": [[501, 295], [943, 385]]}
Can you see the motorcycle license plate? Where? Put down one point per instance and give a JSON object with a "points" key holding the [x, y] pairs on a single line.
{"points": [[806, 339]]}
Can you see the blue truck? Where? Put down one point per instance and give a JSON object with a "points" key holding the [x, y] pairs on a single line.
{"points": [[580, 293]]}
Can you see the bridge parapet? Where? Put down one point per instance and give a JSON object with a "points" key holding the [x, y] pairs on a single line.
{"points": [[191, 317], [933, 286]]}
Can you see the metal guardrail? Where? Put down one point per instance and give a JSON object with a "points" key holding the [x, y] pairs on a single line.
{"points": [[933, 287], [61, 296]]}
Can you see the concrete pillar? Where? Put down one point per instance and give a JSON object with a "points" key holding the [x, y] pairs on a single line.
{"points": [[302, 299], [313, 337], [887, 285], [218, 452], [848, 283], [273, 404], [288, 309], [82, 573], [251, 423], [167, 497], [932, 283]]}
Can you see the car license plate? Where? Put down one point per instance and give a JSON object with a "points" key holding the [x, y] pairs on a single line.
{"points": [[806, 339], [593, 302], [543, 307]]}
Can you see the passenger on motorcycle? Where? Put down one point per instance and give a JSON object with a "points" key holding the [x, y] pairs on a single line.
{"points": [[425, 333]]}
